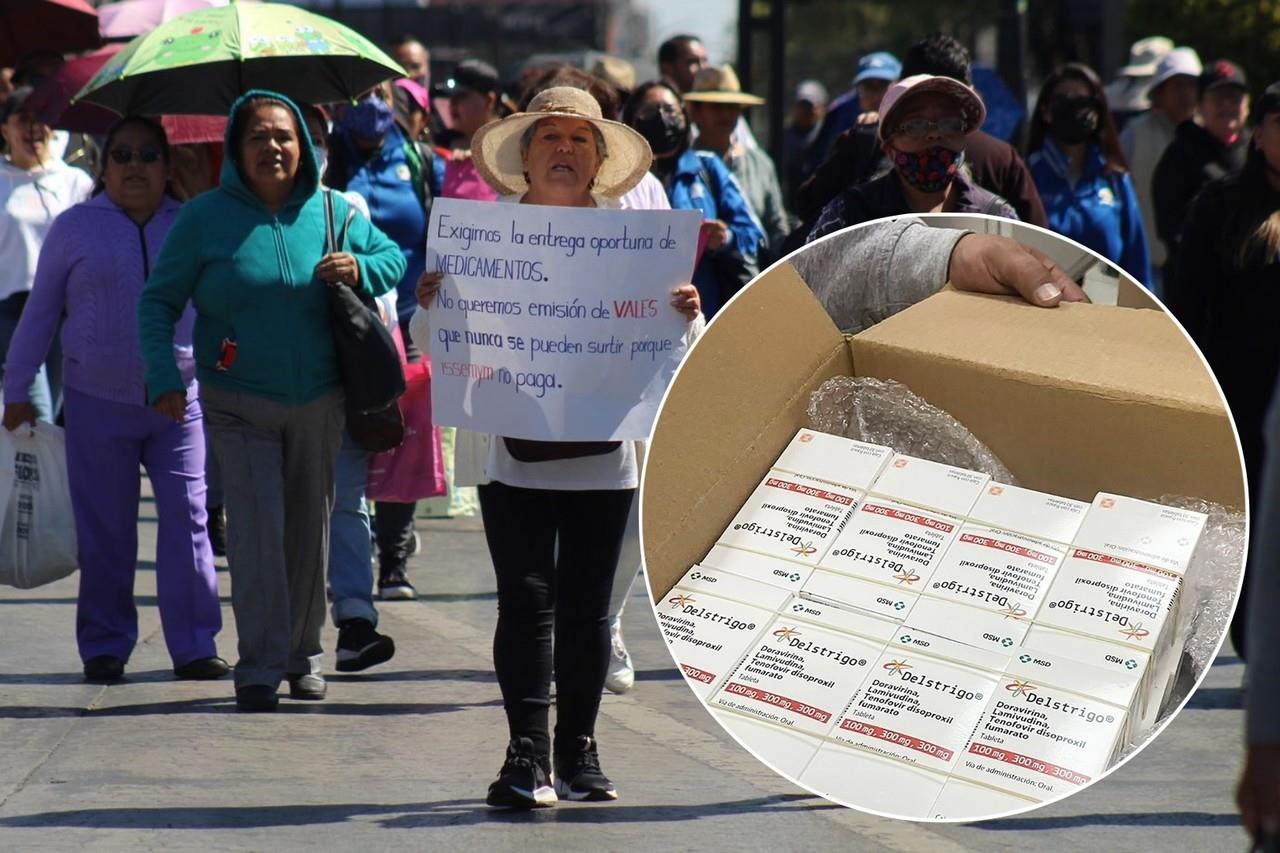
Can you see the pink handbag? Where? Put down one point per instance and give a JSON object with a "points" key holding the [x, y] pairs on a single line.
{"points": [[415, 469]]}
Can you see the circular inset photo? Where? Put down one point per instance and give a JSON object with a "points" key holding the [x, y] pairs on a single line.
{"points": [[943, 517]]}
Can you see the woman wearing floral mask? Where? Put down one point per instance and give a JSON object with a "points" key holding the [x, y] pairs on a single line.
{"points": [[924, 121], [1074, 156]]}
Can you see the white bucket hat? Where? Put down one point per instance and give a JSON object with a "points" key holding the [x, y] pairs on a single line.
{"points": [[495, 148], [1144, 55]]}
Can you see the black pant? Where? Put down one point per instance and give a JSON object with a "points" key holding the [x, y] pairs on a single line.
{"points": [[544, 590], [394, 531]]}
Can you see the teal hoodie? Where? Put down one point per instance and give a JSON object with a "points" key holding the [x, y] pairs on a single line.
{"points": [[250, 275]]}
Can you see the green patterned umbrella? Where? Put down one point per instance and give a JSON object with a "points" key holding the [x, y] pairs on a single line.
{"points": [[202, 61]]}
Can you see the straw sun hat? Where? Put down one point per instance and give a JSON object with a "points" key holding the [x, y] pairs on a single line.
{"points": [[495, 148]]}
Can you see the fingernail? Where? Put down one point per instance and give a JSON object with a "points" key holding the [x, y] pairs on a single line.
{"points": [[1047, 292]]}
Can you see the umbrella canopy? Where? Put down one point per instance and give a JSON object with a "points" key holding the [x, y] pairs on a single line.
{"points": [[202, 61], [61, 25], [52, 97], [130, 18]]}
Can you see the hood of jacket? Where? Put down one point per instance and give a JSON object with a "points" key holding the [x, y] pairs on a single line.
{"points": [[307, 180]]}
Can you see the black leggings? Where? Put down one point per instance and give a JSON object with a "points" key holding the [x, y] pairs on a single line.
{"points": [[541, 592]]}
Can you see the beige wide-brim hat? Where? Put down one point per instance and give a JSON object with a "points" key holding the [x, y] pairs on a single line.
{"points": [[495, 148], [720, 85]]}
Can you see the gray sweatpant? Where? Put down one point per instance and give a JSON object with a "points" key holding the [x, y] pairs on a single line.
{"points": [[277, 465]]}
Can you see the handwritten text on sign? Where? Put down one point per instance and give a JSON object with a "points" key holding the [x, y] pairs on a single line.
{"points": [[555, 323]]}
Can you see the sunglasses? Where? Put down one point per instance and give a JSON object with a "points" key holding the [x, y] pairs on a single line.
{"points": [[918, 128], [124, 156]]}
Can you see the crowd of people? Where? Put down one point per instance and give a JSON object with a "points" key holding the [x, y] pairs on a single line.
{"points": [[167, 304]]}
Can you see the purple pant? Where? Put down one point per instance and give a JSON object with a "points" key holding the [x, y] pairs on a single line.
{"points": [[106, 442]]}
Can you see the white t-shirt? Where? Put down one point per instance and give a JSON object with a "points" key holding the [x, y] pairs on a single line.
{"points": [[29, 202]]}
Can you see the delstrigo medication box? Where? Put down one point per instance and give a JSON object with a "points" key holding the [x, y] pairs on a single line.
{"points": [[997, 569], [892, 543], [708, 633], [835, 459], [784, 749], [1036, 514], [961, 800], [856, 777], [933, 485], [775, 571], [849, 591], [791, 516], [850, 620], [987, 628], [1141, 531], [797, 675], [1048, 730]]}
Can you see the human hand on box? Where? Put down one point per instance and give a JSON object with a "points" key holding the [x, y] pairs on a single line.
{"points": [[1258, 794], [987, 263], [427, 288]]}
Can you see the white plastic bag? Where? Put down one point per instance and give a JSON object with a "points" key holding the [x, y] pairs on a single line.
{"points": [[37, 530]]}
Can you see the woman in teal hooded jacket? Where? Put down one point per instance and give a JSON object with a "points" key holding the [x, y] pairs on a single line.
{"points": [[250, 256]]}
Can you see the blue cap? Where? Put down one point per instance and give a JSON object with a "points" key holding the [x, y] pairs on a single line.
{"points": [[880, 65]]}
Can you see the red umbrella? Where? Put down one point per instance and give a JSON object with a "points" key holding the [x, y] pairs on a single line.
{"points": [[61, 25], [52, 95]]}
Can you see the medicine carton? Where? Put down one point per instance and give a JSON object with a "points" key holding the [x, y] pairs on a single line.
{"points": [[916, 708], [708, 626], [961, 800], [892, 543], [988, 628], [856, 777], [1039, 515], [834, 459], [1124, 660], [850, 591], [1048, 729], [775, 571], [797, 675], [997, 570], [791, 516], [849, 620], [787, 750], [1141, 531], [933, 485]]}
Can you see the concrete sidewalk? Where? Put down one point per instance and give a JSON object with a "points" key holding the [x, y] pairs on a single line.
{"points": [[400, 757]]}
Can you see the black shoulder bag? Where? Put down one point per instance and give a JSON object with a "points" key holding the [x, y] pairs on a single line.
{"points": [[368, 361]]}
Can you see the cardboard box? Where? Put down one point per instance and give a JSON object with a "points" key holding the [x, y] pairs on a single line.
{"points": [[857, 778], [786, 750], [1075, 400], [797, 675], [792, 517]]}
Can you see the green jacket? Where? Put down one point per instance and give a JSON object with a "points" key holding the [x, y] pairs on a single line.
{"points": [[250, 275]]}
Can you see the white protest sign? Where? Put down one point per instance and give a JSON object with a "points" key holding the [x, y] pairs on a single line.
{"points": [[555, 323]]}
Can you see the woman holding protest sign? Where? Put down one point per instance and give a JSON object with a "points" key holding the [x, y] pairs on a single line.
{"points": [[555, 525]]}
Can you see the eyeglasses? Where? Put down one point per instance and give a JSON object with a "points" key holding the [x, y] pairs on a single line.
{"points": [[124, 156], [918, 128]]}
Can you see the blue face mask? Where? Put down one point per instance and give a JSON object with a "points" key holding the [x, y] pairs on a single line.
{"points": [[372, 118]]}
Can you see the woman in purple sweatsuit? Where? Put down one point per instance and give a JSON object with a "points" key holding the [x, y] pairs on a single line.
{"points": [[92, 267]]}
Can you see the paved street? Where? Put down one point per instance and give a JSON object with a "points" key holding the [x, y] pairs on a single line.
{"points": [[399, 758]]}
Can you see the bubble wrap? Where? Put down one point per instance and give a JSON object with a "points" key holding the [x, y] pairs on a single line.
{"points": [[881, 411]]}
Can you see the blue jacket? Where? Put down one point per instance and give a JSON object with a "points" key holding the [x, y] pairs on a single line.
{"points": [[396, 204], [251, 275], [689, 189], [1101, 210]]}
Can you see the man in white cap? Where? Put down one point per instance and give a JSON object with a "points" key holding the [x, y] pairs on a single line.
{"points": [[716, 103], [1127, 94], [1172, 94]]}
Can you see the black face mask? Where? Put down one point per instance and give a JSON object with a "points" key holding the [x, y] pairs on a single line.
{"points": [[1075, 120], [664, 129]]}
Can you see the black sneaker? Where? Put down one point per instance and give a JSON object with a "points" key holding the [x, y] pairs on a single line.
{"points": [[202, 669], [103, 669], [218, 531], [360, 646], [578, 774], [255, 698], [524, 782], [394, 586]]}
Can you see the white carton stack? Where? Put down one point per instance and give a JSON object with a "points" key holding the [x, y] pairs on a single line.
{"points": [[1122, 580], [1052, 726], [710, 618], [901, 531]]}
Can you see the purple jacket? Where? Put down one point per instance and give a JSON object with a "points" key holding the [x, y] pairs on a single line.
{"points": [[93, 265]]}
